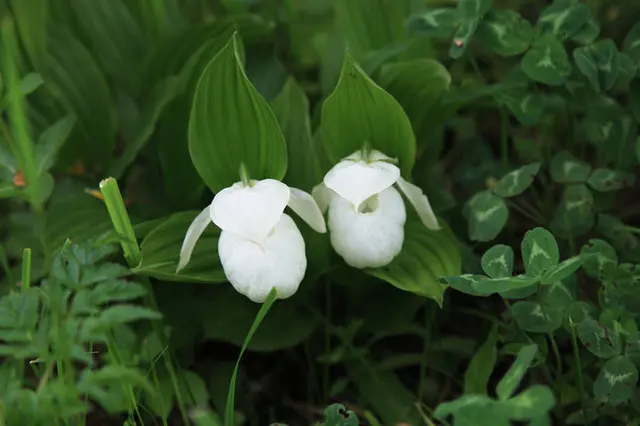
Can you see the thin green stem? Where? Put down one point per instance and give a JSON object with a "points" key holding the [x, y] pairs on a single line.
{"points": [[578, 362], [554, 345], [25, 281], [122, 225], [429, 315], [327, 343]]}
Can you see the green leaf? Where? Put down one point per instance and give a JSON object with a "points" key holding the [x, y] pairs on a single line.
{"points": [[262, 313], [588, 33], [111, 317], [426, 256], [441, 22], [627, 70], [504, 32], [564, 19], [547, 61], [418, 85], [481, 365], [291, 108], [529, 404], [533, 317], [565, 168], [462, 404], [486, 216], [78, 82], [50, 142], [539, 251], [114, 36], [604, 180], [462, 37], [563, 270], [517, 181], [631, 44], [501, 285], [497, 262], [161, 251], [32, 18], [599, 63], [360, 112], [599, 339], [634, 100], [465, 283], [338, 415], [246, 133], [228, 314], [474, 8], [575, 215], [616, 382], [369, 25], [600, 258], [512, 378], [526, 106]]}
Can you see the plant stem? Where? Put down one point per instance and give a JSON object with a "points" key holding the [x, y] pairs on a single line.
{"points": [[122, 225], [576, 357], [25, 281]]}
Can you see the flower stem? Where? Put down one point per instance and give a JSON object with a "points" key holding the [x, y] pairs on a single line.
{"points": [[244, 175], [576, 356]]}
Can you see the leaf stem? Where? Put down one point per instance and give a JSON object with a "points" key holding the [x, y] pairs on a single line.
{"points": [[576, 357]]}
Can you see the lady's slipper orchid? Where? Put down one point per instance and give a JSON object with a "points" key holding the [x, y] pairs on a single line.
{"points": [[260, 246], [366, 213]]}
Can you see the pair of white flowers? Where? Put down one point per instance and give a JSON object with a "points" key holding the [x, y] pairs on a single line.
{"points": [[260, 246]]}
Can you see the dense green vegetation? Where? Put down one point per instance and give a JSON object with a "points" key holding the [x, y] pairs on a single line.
{"points": [[425, 212]]}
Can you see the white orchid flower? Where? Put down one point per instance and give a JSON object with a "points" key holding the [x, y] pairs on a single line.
{"points": [[366, 213], [260, 246]]}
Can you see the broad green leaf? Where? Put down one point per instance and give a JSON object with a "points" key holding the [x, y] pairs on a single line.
{"points": [[565, 168], [291, 108], [462, 37], [525, 105], [76, 80], [474, 8], [539, 251], [339, 415], [114, 36], [600, 258], [359, 112], [113, 316], [575, 215], [560, 294], [547, 61], [193, 386], [163, 94], [627, 70], [631, 45], [588, 33], [529, 404], [32, 18], [599, 339], [161, 250], [501, 285], [604, 180], [246, 133], [563, 19], [481, 366], [462, 403], [486, 216], [533, 317], [497, 262], [576, 312], [616, 382], [418, 85], [505, 32], [563, 270], [228, 314], [517, 181], [441, 22], [426, 257], [231, 395], [512, 378], [369, 25], [599, 63], [50, 142]]}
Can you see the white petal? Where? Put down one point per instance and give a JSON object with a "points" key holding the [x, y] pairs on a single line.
{"points": [[194, 232], [368, 240], [306, 207], [357, 181], [253, 270], [421, 204], [323, 196], [250, 212]]}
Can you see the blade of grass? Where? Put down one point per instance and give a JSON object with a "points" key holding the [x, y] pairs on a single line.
{"points": [[229, 409], [122, 225], [18, 137], [25, 281]]}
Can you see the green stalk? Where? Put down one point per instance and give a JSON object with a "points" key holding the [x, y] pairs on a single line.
{"points": [[576, 357], [25, 281], [19, 139], [122, 225]]}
